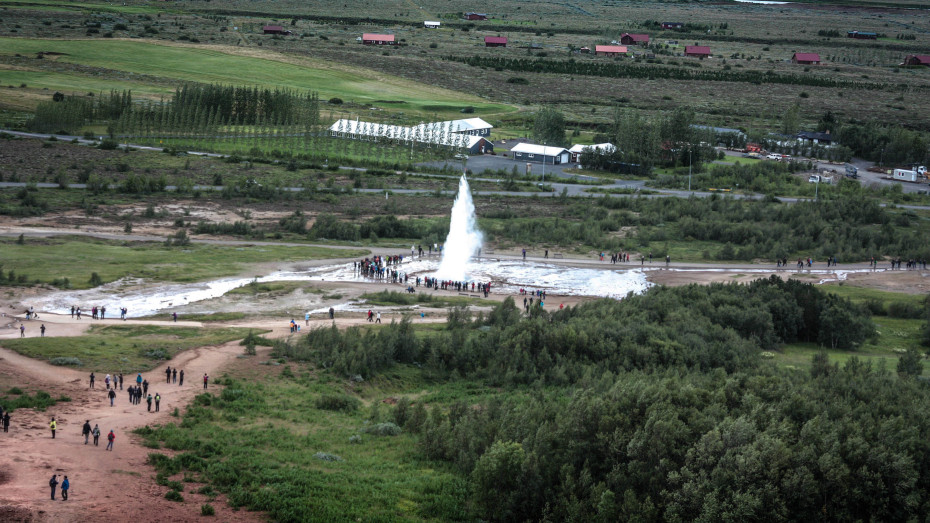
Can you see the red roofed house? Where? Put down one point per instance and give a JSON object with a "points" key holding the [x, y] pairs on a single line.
{"points": [[371, 38], [495, 41], [806, 58], [631, 39], [700, 51], [609, 50], [917, 59], [476, 16], [275, 30]]}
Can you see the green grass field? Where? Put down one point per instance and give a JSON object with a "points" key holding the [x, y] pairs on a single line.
{"points": [[122, 348], [266, 68], [112, 260]]}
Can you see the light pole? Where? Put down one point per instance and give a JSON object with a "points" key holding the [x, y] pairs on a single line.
{"points": [[689, 169]]}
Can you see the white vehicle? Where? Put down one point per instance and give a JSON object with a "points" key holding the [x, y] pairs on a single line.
{"points": [[775, 157], [815, 178]]}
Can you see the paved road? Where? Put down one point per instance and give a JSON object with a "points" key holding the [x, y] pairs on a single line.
{"points": [[570, 189]]}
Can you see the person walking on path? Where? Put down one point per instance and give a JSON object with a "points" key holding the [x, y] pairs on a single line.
{"points": [[112, 396], [92, 377], [181, 383], [174, 315], [524, 254], [157, 401], [42, 331], [106, 381], [205, 380], [307, 320], [65, 485], [145, 386], [6, 422], [148, 400], [110, 439], [138, 379], [54, 484], [379, 318], [168, 374], [174, 375], [22, 331], [96, 433], [120, 381], [53, 425], [85, 430]]}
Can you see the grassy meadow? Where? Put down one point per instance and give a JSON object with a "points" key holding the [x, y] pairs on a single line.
{"points": [[112, 260], [120, 348]]}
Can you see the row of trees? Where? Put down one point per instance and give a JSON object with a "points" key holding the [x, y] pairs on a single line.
{"points": [[614, 69]]}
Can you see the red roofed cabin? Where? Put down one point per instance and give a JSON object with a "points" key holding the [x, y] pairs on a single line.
{"points": [[371, 38], [917, 59], [699, 51], [609, 50], [476, 16], [495, 41], [275, 30], [631, 39], [806, 58]]}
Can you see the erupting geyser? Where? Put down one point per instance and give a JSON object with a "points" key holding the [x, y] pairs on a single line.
{"points": [[464, 239]]}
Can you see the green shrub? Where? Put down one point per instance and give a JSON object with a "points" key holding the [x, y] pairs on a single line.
{"points": [[383, 429], [342, 402], [66, 361], [207, 510], [174, 495]]}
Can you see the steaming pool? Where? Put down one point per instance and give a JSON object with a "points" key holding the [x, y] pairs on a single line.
{"points": [[507, 276]]}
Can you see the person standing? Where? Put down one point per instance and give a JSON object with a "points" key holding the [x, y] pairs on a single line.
{"points": [[42, 331], [53, 425], [22, 331], [120, 381], [145, 386], [205, 380], [72, 312], [174, 316], [157, 401], [54, 484], [148, 400], [92, 377], [65, 485], [524, 254], [307, 319], [85, 430], [379, 318], [168, 374], [174, 375], [106, 380], [6, 421], [112, 395], [332, 313], [110, 439], [181, 383], [96, 433]]}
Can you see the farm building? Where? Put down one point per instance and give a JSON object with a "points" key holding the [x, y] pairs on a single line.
{"points": [[813, 138], [578, 149], [528, 152], [917, 59], [806, 58], [699, 51], [475, 16], [631, 39], [440, 133], [376, 39], [861, 35], [275, 30], [609, 50], [495, 41], [468, 126], [585, 50], [672, 25], [431, 25]]}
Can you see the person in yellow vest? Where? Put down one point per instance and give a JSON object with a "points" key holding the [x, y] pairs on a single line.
{"points": [[53, 425]]}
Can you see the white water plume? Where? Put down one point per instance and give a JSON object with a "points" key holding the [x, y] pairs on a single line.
{"points": [[464, 239]]}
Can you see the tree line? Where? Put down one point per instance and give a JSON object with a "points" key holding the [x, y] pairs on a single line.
{"points": [[613, 69]]}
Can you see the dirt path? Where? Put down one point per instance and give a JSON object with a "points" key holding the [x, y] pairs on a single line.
{"points": [[105, 485]]}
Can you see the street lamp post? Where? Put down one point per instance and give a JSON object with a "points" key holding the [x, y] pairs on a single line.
{"points": [[689, 170]]}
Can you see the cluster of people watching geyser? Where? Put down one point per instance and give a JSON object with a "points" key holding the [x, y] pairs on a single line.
{"points": [[381, 268]]}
